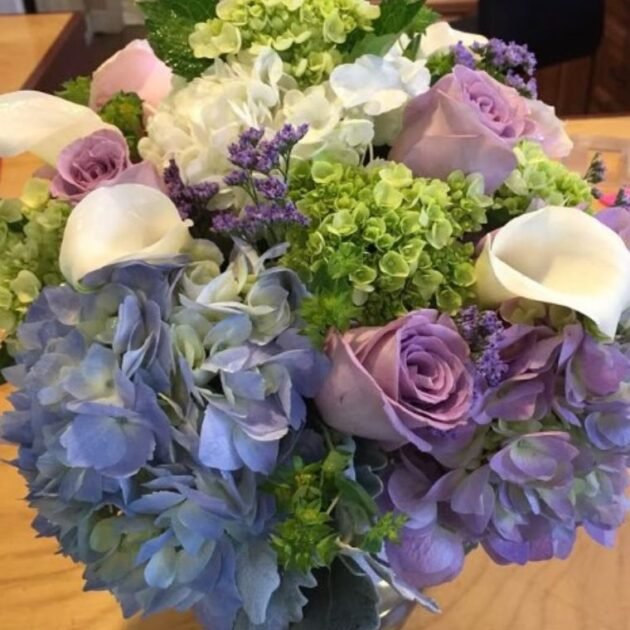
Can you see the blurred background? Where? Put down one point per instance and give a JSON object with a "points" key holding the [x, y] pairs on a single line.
{"points": [[583, 46]]}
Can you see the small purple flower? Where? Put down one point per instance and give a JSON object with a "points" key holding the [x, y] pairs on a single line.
{"points": [[618, 220], [271, 187], [463, 57], [191, 200], [594, 372]]}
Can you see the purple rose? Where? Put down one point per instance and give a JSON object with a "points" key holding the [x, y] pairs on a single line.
{"points": [[100, 159], [526, 392], [618, 220], [392, 383], [468, 121]]}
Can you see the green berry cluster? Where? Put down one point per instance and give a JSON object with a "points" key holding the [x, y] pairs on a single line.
{"points": [[538, 180], [306, 33], [382, 242], [31, 229]]}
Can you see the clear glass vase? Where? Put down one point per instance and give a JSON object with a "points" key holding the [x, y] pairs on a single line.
{"points": [[394, 609]]}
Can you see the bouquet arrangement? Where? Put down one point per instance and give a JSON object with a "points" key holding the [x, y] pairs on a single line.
{"points": [[332, 315]]}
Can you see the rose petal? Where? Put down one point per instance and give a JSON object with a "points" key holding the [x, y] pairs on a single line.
{"points": [[350, 400]]}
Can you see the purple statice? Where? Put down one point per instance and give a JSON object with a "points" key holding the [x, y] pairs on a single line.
{"points": [[262, 172], [510, 63], [271, 187], [483, 331], [462, 56], [191, 199]]}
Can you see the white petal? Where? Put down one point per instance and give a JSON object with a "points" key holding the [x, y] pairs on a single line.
{"points": [[43, 124], [126, 222], [359, 82], [440, 36], [558, 256]]}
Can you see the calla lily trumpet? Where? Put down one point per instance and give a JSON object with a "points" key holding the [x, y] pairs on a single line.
{"points": [[118, 224], [43, 124], [558, 256]]}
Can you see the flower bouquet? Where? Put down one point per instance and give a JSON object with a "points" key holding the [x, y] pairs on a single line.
{"points": [[309, 311]]}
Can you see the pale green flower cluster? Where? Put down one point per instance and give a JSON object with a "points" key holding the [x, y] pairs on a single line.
{"points": [[539, 180], [391, 240], [306, 33], [31, 229]]}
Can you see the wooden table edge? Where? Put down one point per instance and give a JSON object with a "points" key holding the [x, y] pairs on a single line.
{"points": [[74, 24]]}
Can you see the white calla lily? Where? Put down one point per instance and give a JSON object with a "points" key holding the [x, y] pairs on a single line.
{"points": [[117, 224], [558, 256], [442, 35], [43, 124]]}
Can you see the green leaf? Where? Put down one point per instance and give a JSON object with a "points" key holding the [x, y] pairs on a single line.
{"points": [[343, 600], [397, 17], [351, 492], [286, 603], [76, 90], [169, 24]]}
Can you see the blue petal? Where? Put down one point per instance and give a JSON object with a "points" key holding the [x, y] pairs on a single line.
{"points": [[216, 443]]}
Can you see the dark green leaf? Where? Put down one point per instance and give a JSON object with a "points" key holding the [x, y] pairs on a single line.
{"points": [[351, 492], [169, 24], [397, 17], [343, 600]]}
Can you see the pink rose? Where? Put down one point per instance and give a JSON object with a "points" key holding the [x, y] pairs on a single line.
{"points": [[394, 383], [133, 69], [469, 121]]}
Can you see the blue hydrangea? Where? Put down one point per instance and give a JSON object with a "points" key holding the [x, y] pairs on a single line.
{"points": [[146, 408]]}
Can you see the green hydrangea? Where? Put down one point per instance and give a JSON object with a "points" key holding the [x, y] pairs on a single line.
{"points": [[306, 33], [31, 229], [538, 180], [382, 242]]}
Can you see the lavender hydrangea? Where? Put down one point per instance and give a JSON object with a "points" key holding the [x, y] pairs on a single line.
{"points": [[545, 452], [145, 406]]}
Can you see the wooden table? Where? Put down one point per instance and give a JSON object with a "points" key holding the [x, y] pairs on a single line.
{"points": [[36, 51], [452, 9]]}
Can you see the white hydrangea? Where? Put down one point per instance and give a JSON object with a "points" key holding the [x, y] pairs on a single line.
{"points": [[379, 88], [196, 124]]}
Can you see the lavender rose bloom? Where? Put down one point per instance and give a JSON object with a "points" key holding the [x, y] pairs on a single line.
{"points": [[100, 159], [469, 121], [618, 220], [392, 383]]}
